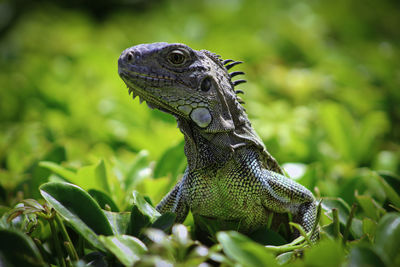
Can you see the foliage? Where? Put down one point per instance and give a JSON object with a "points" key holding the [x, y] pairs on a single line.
{"points": [[81, 164], [71, 228]]}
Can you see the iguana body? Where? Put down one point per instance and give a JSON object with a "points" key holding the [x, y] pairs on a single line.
{"points": [[230, 175]]}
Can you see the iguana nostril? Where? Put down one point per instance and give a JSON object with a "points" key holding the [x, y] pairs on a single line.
{"points": [[129, 56]]}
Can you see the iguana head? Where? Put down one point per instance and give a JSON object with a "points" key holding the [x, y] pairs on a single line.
{"points": [[192, 85]]}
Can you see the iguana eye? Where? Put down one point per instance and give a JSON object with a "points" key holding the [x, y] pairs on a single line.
{"points": [[205, 84], [176, 57]]}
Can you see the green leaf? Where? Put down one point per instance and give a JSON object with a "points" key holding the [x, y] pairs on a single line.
{"points": [[79, 209], [94, 258], [119, 221], [171, 163], [144, 207], [165, 221], [392, 179], [387, 161], [88, 177], [32, 203], [154, 188], [364, 256], [93, 177], [340, 127], [387, 239], [39, 175], [356, 228], [326, 253], [79, 203], [59, 170], [391, 193], [369, 206], [352, 138], [103, 199], [142, 215], [18, 249], [286, 257], [135, 174], [369, 228], [127, 249], [138, 222], [344, 211], [363, 181], [180, 235], [245, 251], [373, 124], [101, 176], [343, 208], [267, 236], [208, 227]]}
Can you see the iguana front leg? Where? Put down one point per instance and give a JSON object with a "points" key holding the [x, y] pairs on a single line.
{"points": [[174, 202], [280, 194]]}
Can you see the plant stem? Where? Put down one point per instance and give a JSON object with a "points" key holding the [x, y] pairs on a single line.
{"points": [[298, 240], [394, 207], [81, 245], [302, 232], [56, 242], [317, 218], [71, 251], [348, 223], [282, 249], [39, 244], [68, 262], [70, 248], [336, 223]]}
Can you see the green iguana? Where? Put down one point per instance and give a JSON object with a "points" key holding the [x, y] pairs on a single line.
{"points": [[230, 176]]}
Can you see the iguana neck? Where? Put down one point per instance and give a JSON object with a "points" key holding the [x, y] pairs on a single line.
{"points": [[204, 149]]}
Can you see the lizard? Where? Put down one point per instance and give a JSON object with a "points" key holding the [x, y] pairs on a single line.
{"points": [[230, 175]]}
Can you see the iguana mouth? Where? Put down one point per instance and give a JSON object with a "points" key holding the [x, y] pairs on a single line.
{"points": [[151, 101], [145, 76]]}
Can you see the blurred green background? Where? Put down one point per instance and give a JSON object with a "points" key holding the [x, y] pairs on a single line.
{"points": [[323, 87]]}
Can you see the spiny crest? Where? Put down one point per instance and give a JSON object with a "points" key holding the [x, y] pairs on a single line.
{"points": [[216, 58], [228, 64]]}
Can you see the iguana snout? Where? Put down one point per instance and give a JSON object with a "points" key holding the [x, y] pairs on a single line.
{"points": [[168, 77]]}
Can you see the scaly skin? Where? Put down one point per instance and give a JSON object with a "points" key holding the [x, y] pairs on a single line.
{"points": [[230, 175]]}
